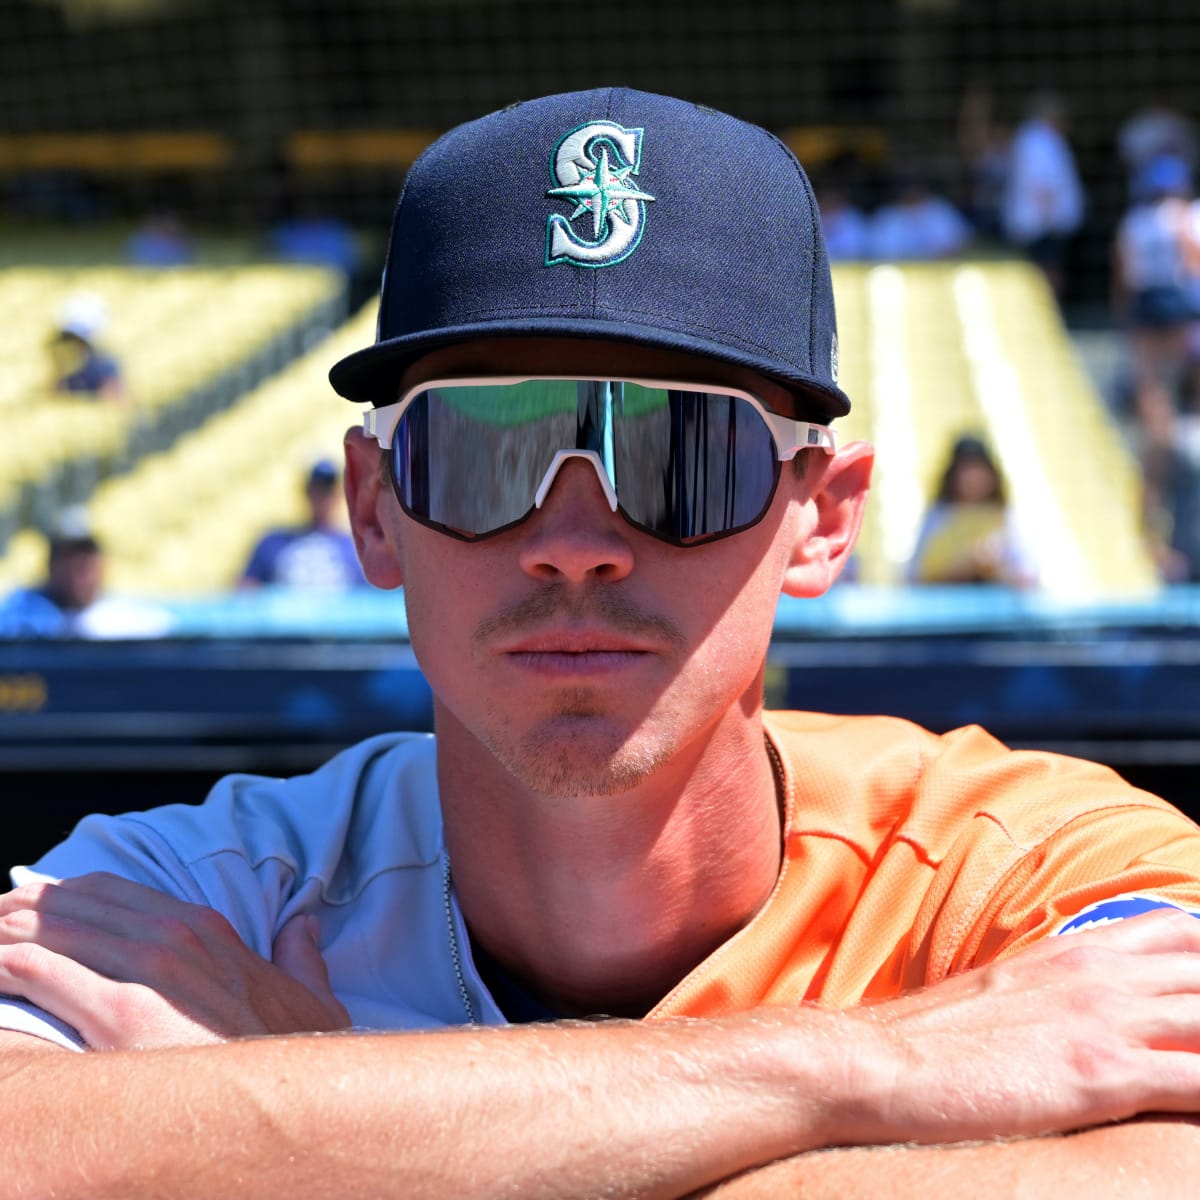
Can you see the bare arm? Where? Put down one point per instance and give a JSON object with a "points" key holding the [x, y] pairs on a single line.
{"points": [[1096, 1027], [1135, 1160], [638, 1109], [355, 1157], [505, 1112]]}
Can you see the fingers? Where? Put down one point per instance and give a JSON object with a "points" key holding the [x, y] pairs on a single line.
{"points": [[298, 952], [1163, 1022], [128, 966], [1156, 954], [93, 1005], [101, 899], [98, 903], [1077, 1030], [1161, 929], [119, 928]]}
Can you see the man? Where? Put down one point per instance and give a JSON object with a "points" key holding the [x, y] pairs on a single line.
{"points": [[69, 602], [605, 369], [1043, 201], [81, 367], [318, 555]]}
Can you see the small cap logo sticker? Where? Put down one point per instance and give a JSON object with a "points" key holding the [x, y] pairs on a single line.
{"points": [[833, 359], [592, 168]]}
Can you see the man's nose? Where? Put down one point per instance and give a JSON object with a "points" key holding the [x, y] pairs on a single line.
{"points": [[576, 534]]}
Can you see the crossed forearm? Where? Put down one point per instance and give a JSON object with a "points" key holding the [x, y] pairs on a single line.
{"points": [[183, 1096], [637, 1109], [617, 1109], [1135, 1160]]}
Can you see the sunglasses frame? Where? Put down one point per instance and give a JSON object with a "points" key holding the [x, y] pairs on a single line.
{"points": [[789, 436]]}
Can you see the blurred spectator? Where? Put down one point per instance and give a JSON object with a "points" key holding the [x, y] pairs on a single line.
{"points": [[1171, 495], [1152, 255], [986, 147], [1155, 131], [80, 366], [70, 603], [1189, 394], [918, 224], [315, 238], [318, 555], [1043, 203], [160, 241], [843, 224], [968, 535]]}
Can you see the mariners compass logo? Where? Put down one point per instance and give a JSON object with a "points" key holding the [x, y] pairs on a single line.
{"points": [[593, 167]]}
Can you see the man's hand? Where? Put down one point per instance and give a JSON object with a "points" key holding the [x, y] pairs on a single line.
{"points": [[132, 968], [1072, 1033], [1075, 1031]]}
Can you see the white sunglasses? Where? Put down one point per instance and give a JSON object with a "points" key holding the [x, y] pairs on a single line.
{"points": [[684, 462]]}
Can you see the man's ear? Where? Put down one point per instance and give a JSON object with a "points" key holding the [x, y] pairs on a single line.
{"points": [[367, 492], [835, 502]]}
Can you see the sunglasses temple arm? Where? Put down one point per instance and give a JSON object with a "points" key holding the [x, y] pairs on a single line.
{"points": [[372, 423], [793, 436]]}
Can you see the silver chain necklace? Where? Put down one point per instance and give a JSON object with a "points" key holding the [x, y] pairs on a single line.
{"points": [[456, 956]]}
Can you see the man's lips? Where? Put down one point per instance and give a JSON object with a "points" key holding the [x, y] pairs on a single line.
{"points": [[574, 653], [576, 642]]}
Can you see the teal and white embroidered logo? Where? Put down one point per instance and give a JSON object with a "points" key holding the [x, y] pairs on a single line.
{"points": [[591, 167]]}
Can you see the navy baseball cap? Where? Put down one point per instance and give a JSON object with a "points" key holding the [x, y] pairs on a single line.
{"points": [[609, 213]]}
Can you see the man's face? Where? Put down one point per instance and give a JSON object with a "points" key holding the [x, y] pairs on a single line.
{"points": [[974, 481], [322, 502], [76, 574], [576, 651]]}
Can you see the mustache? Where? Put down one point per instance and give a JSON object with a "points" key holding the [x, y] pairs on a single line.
{"points": [[611, 609]]}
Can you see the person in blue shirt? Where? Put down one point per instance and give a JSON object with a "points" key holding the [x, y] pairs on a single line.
{"points": [[70, 602], [71, 587], [318, 555], [81, 367]]}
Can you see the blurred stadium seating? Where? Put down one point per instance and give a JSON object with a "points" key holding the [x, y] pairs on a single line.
{"points": [[934, 351], [183, 522], [191, 343], [236, 117], [931, 351]]}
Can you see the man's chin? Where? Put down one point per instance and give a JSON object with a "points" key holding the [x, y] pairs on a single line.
{"points": [[580, 756]]}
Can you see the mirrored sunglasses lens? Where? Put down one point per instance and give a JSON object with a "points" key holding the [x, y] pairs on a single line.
{"points": [[687, 465], [471, 458], [691, 466]]}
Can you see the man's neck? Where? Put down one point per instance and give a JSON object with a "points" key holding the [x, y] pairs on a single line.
{"points": [[603, 903]]}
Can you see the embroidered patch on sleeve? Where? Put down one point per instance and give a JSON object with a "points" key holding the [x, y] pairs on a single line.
{"points": [[1118, 908]]}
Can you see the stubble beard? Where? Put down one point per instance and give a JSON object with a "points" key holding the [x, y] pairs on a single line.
{"points": [[577, 751], [581, 748]]}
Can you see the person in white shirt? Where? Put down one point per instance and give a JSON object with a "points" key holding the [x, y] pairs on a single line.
{"points": [[1152, 253], [1044, 202]]}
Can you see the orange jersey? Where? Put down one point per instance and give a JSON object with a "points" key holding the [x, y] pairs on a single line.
{"points": [[909, 856]]}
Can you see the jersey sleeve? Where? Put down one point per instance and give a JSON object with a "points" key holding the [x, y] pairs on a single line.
{"points": [[1053, 844], [357, 844], [1099, 868]]}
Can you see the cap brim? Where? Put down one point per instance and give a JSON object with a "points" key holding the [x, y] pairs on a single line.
{"points": [[371, 376]]}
